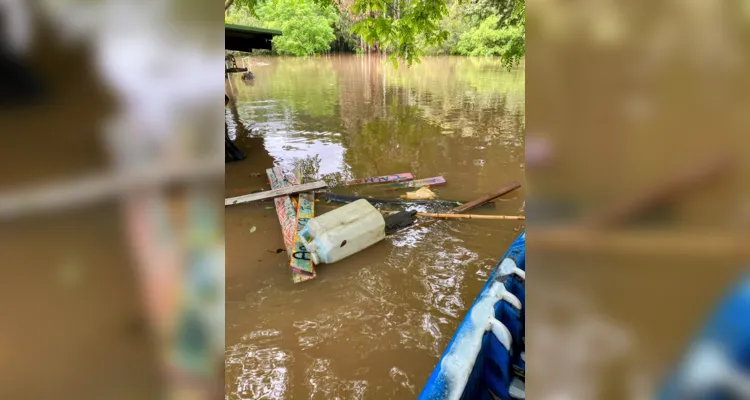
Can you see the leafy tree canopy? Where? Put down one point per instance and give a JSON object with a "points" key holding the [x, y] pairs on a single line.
{"points": [[307, 26], [407, 29]]}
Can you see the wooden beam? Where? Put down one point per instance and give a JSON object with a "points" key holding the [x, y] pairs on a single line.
{"points": [[690, 178], [486, 198], [434, 181], [283, 191]]}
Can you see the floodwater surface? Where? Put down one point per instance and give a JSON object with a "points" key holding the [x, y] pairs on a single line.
{"points": [[374, 324]]}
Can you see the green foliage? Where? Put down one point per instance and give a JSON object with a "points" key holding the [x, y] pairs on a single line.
{"points": [[398, 26], [307, 26], [488, 39], [407, 29], [241, 4], [484, 28], [346, 40], [242, 16], [455, 23]]}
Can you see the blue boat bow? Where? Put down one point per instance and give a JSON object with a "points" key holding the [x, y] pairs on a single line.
{"points": [[485, 358]]}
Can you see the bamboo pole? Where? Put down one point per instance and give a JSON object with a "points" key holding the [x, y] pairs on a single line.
{"points": [[465, 216], [472, 216], [480, 201]]}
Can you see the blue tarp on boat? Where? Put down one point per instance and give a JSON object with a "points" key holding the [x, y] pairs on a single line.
{"points": [[717, 367], [485, 358]]}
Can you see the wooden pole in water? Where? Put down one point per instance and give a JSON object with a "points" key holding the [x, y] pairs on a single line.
{"points": [[689, 178], [465, 216], [486, 198], [472, 216]]}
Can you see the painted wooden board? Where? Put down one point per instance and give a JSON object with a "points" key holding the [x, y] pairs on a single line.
{"points": [[407, 176], [434, 181], [287, 215], [274, 193], [300, 260]]}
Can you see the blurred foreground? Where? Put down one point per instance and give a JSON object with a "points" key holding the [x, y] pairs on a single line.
{"points": [[111, 239], [638, 212]]}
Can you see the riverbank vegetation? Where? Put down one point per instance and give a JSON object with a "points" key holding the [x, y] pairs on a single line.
{"points": [[404, 29]]}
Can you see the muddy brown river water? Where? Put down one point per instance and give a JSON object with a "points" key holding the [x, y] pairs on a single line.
{"points": [[375, 324]]}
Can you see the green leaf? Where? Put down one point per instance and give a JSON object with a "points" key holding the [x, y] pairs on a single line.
{"points": [[253, 229]]}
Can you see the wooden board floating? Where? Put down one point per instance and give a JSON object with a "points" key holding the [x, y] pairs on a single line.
{"points": [[300, 260], [342, 198], [287, 215], [486, 198], [306, 187], [434, 181], [382, 179]]}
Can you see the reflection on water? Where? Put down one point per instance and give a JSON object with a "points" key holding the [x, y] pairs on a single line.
{"points": [[372, 325]]}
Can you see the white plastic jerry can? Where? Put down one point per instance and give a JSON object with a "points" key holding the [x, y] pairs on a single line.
{"points": [[342, 232]]}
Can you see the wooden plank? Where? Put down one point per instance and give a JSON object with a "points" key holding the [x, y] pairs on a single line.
{"points": [[300, 260], [434, 181], [287, 215], [486, 198], [274, 193], [407, 176], [342, 198], [689, 178]]}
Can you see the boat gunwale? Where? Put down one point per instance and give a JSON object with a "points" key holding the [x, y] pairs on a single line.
{"points": [[438, 384]]}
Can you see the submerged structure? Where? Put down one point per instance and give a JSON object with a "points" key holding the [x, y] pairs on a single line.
{"points": [[244, 39]]}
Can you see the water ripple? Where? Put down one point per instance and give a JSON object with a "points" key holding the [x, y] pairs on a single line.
{"points": [[259, 370], [324, 383]]}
